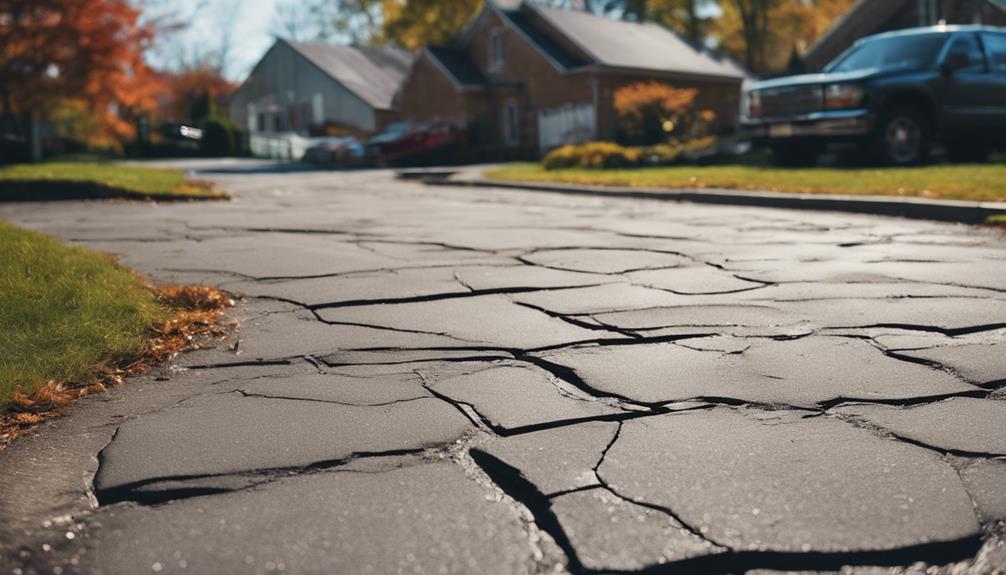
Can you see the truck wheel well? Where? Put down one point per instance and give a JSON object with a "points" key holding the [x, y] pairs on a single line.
{"points": [[909, 100]]}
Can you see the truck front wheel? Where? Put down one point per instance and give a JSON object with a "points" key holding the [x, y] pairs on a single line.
{"points": [[903, 137]]}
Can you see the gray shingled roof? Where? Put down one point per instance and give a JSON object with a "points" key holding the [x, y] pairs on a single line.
{"points": [[372, 73], [620, 44], [458, 66]]}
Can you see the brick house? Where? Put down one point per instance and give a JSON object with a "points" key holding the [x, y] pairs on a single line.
{"points": [[868, 17], [525, 78]]}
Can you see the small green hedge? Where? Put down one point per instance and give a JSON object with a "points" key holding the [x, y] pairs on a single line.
{"points": [[220, 138], [609, 155]]}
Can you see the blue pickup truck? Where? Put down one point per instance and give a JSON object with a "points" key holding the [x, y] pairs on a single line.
{"points": [[893, 96]]}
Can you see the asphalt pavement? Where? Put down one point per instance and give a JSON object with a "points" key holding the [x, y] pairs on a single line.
{"points": [[470, 380]]}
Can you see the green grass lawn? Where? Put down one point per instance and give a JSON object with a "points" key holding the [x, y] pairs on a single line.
{"points": [[985, 182], [121, 181], [65, 311]]}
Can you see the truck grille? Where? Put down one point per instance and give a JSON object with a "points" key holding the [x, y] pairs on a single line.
{"points": [[793, 101]]}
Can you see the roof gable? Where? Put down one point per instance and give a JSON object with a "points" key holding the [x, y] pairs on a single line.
{"points": [[457, 67], [604, 42], [560, 57], [373, 73], [640, 46]]}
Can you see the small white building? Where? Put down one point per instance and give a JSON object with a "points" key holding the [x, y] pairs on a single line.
{"points": [[298, 88]]}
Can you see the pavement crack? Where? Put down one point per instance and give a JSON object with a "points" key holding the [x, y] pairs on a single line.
{"points": [[367, 271], [902, 402], [460, 280], [732, 562], [442, 296], [245, 393], [249, 363], [569, 376], [886, 433], [394, 329], [950, 332], [134, 492], [895, 354], [666, 511], [572, 320], [512, 482], [466, 409]]}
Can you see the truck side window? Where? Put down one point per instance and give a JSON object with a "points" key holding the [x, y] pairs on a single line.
{"points": [[967, 44], [995, 46]]}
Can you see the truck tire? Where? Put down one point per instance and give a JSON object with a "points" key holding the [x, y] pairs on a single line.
{"points": [[903, 137]]}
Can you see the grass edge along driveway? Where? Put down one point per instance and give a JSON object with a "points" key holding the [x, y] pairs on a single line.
{"points": [[101, 179], [73, 322], [984, 182], [65, 311]]}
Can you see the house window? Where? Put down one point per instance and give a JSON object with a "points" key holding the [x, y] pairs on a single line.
{"points": [[252, 119], [511, 124], [497, 56], [318, 108]]}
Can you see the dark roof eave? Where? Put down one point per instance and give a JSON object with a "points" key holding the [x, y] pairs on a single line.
{"points": [[544, 53], [602, 68], [450, 76]]}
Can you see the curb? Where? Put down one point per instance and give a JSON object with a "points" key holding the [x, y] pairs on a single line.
{"points": [[912, 208]]}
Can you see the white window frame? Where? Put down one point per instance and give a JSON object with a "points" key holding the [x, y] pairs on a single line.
{"points": [[252, 123], [497, 50], [511, 131], [318, 108]]}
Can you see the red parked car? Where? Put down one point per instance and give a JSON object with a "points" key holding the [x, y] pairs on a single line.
{"points": [[412, 142]]}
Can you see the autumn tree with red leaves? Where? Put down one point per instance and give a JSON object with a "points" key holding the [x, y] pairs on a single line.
{"points": [[190, 95], [89, 52]]}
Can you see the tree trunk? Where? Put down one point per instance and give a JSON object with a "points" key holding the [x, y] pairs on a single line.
{"points": [[34, 138]]}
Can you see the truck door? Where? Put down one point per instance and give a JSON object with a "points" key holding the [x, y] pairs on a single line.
{"points": [[969, 101], [995, 50]]}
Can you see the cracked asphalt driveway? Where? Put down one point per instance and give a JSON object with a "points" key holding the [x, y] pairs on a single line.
{"points": [[485, 381]]}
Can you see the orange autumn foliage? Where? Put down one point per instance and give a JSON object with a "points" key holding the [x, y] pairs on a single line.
{"points": [[652, 113], [89, 50], [182, 89]]}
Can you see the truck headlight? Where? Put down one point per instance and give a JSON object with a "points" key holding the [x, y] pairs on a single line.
{"points": [[843, 96]]}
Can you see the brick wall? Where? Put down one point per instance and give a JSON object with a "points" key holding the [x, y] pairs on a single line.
{"points": [[536, 83], [429, 93]]}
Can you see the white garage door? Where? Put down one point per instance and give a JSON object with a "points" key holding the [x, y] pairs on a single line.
{"points": [[570, 124]]}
